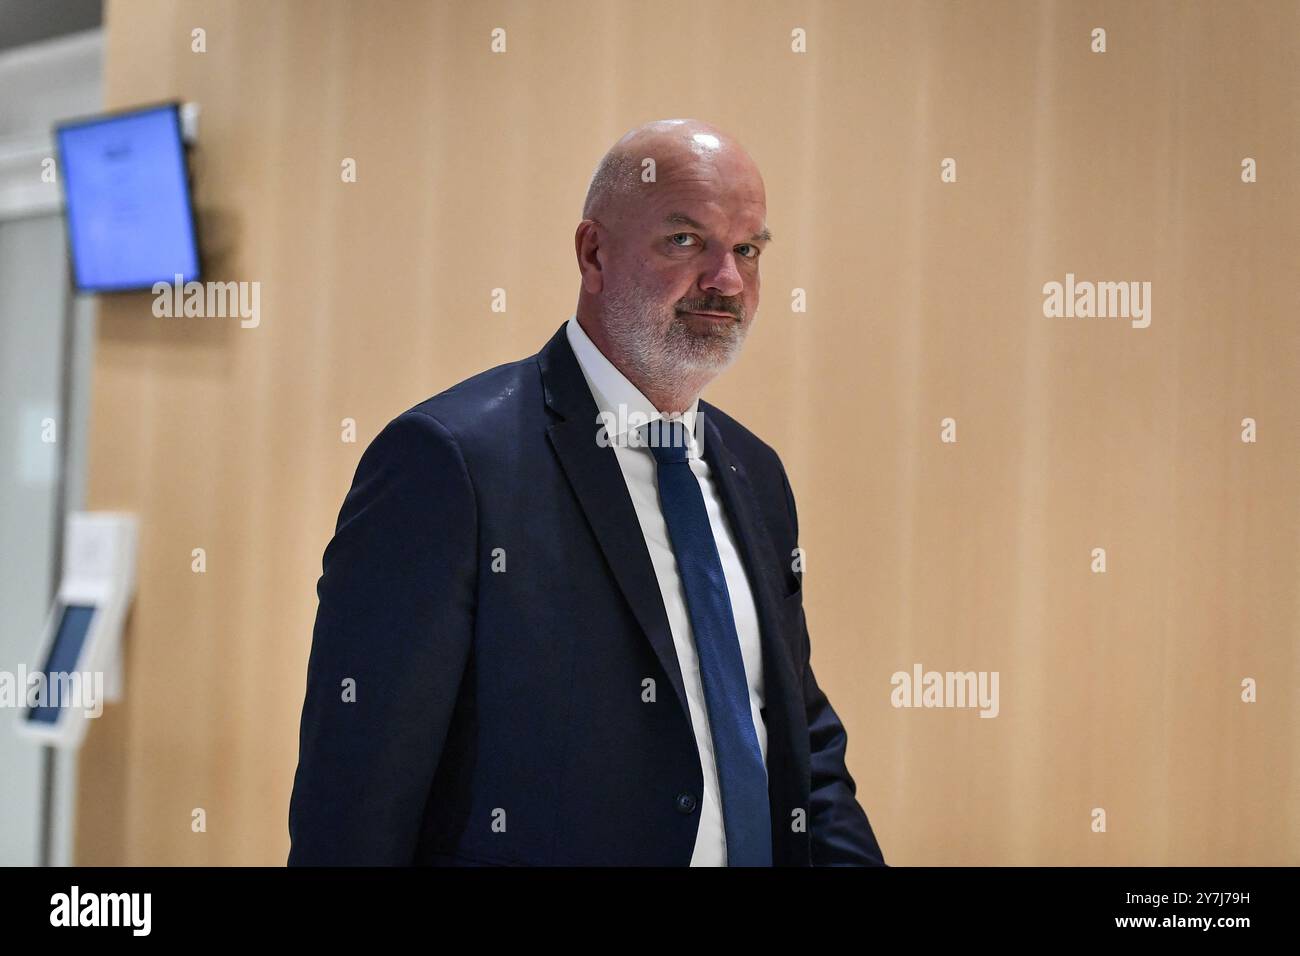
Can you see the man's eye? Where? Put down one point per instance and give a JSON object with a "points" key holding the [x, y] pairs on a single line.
{"points": [[753, 249], [680, 235]]}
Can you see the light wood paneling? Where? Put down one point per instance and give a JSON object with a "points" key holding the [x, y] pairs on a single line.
{"points": [[1118, 691]]}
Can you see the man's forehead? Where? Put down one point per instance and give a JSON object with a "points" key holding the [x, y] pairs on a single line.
{"points": [[709, 215], [709, 201]]}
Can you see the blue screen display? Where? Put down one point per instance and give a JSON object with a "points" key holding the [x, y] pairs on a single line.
{"points": [[74, 626], [130, 221]]}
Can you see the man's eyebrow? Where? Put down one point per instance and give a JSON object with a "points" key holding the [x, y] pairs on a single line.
{"points": [[681, 219]]}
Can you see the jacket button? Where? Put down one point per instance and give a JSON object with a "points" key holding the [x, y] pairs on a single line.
{"points": [[685, 802]]}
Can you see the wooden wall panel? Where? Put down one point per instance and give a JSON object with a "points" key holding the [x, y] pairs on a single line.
{"points": [[925, 301]]}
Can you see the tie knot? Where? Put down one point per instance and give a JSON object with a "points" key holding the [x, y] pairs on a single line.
{"points": [[667, 438]]}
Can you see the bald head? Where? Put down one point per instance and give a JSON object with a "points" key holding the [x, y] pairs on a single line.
{"points": [[675, 145]]}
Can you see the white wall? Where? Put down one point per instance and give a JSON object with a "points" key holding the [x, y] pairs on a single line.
{"points": [[46, 337]]}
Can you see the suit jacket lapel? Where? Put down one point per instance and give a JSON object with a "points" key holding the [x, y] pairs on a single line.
{"points": [[598, 483]]}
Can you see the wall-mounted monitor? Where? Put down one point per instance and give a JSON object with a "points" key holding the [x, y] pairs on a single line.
{"points": [[126, 189]]}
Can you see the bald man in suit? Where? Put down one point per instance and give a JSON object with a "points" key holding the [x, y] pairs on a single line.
{"points": [[560, 620]]}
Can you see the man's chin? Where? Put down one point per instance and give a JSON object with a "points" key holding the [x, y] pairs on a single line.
{"points": [[710, 353]]}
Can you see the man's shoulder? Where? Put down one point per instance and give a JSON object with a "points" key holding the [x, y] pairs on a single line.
{"points": [[740, 441], [475, 418], [473, 403]]}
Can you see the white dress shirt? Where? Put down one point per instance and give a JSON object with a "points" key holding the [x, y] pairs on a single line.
{"points": [[611, 389]]}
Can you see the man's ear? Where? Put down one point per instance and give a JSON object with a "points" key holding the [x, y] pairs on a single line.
{"points": [[586, 242]]}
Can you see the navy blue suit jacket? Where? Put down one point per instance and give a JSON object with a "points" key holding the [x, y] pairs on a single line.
{"points": [[500, 716]]}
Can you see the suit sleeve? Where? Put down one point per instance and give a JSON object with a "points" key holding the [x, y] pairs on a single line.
{"points": [[840, 833], [392, 636]]}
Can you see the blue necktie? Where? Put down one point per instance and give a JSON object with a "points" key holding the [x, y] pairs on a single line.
{"points": [[742, 778]]}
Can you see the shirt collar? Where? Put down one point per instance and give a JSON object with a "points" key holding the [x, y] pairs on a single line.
{"points": [[618, 399]]}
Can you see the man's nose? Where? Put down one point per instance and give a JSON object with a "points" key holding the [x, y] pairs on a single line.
{"points": [[724, 278]]}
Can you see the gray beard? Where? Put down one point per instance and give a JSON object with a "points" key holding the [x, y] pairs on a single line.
{"points": [[665, 353]]}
